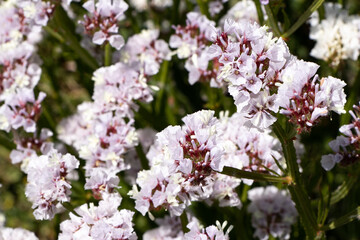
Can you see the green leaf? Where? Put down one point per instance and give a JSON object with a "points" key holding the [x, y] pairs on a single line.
{"points": [[184, 222], [203, 5], [234, 172], [65, 25], [351, 100], [303, 18], [297, 190], [342, 191], [144, 161], [259, 12], [273, 23], [349, 217], [108, 55]]}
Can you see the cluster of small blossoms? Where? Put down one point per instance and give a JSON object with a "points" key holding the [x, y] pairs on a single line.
{"points": [[48, 182], [197, 232], [147, 50], [244, 10], [184, 163], [273, 212], [170, 229], [102, 131], [303, 97], [102, 222], [215, 6], [101, 139], [19, 73], [28, 147], [337, 36], [102, 21], [346, 148], [143, 5], [246, 147], [16, 233], [262, 77], [21, 23], [21, 109], [191, 42]]}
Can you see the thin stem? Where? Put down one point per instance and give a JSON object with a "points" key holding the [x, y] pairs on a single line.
{"points": [[63, 23], [289, 150], [143, 160], [54, 34], [184, 222], [297, 191], [342, 191], [69, 207], [351, 216], [5, 142], [259, 12], [163, 77], [234, 172], [272, 21], [351, 100], [108, 55], [203, 7], [313, 7]]}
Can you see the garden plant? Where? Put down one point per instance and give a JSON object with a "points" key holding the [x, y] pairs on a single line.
{"points": [[179, 119]]}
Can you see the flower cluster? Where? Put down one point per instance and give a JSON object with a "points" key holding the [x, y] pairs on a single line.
{"points": [[247, 148], [48, 182], [146, 49], [273, 212], [102, 21], [242, 11], [191, 42], [170, 229], [304, 98], [346, 147], [102, 222], [21, 110], [262, 77], [16, 233], [106, 125], [184, 161], [142, 5], [21, 23], [337, 36]]}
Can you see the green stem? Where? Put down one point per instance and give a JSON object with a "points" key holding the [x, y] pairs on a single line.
{"points": [[143, 160], [184, 222], [288, 149], [69, 207], [49, 119], [342, 191], [63, 23], [108, 55], [351, 216], [234, 172], [272, 21], [203, 7], [313, 7], [351, 100], [54, 34], [259, 12], [5, 142], [163, 77], [297, 191]]}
